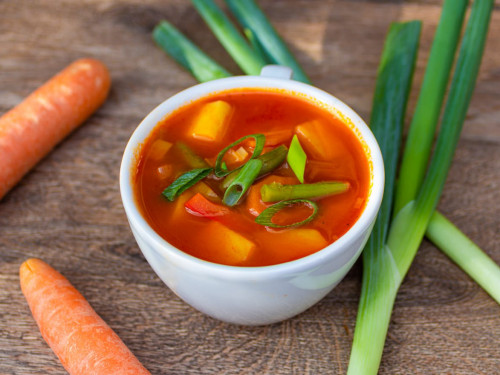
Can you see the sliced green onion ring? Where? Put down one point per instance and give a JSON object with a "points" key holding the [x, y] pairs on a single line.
{"points": [[242, 182], [266, 217], [184, 182], [259, 146]]}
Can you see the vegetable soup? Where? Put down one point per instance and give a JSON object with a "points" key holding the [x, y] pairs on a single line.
{"points": [[251, 177]]}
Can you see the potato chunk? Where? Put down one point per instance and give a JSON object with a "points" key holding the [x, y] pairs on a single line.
{"points": [[159, 149], [226, 246], [316, 143], [297, 243], [212, 122]]}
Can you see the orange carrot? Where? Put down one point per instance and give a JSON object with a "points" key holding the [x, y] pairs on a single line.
{"points": [[32, 128], [84, 343]]}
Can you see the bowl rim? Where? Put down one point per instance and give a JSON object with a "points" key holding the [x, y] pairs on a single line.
{"points": [[203, 267]]}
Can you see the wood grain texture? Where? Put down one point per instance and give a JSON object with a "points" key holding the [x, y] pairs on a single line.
{"points": [[68, 212]]}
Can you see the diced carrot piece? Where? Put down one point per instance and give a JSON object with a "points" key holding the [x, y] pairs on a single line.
{"points": [[179, 209], [226, 246], [254, 200], [159, 149], [316, 143], [297, 242], [212, 121]]}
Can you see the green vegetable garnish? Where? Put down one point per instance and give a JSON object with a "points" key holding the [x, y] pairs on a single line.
{"points": [[266, 217], [184, 182], [277, 192], [297, 158], [219, 169], [242, 182]]}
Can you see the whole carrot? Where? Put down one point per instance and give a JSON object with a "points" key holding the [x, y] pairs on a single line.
{"points": [[84, 343], [32, 128]]}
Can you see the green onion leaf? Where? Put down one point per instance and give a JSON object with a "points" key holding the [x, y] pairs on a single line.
{"points": [[252, 17], [257, 47], [297, 158], [227, 34], [266, 217], [242, 182], [277, 192], [187, 54], [421, 133], [380, 277], [219, 169], [270, 161], [184, 182]]}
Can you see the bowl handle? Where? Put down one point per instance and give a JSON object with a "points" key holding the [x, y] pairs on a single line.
{"points": [[276, 71]]}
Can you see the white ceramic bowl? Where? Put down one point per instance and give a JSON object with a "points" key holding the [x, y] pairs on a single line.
{"points": [[252, 295]]}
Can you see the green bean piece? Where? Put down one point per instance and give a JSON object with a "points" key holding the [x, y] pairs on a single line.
{"points": [[277, 192], [242, 182]]}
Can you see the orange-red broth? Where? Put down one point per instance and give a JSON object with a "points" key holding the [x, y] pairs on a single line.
{"points": [[254, 111]]}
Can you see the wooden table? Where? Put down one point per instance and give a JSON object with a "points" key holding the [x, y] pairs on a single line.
{"points": [[68, 212]]}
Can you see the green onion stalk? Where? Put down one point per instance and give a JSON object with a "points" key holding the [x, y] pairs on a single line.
{"points": [[251, 17], [240, 185], [386, 265], [428, 109], [277, 192], [227, 34], [186, 53], [465, 253], [381, 278]]}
